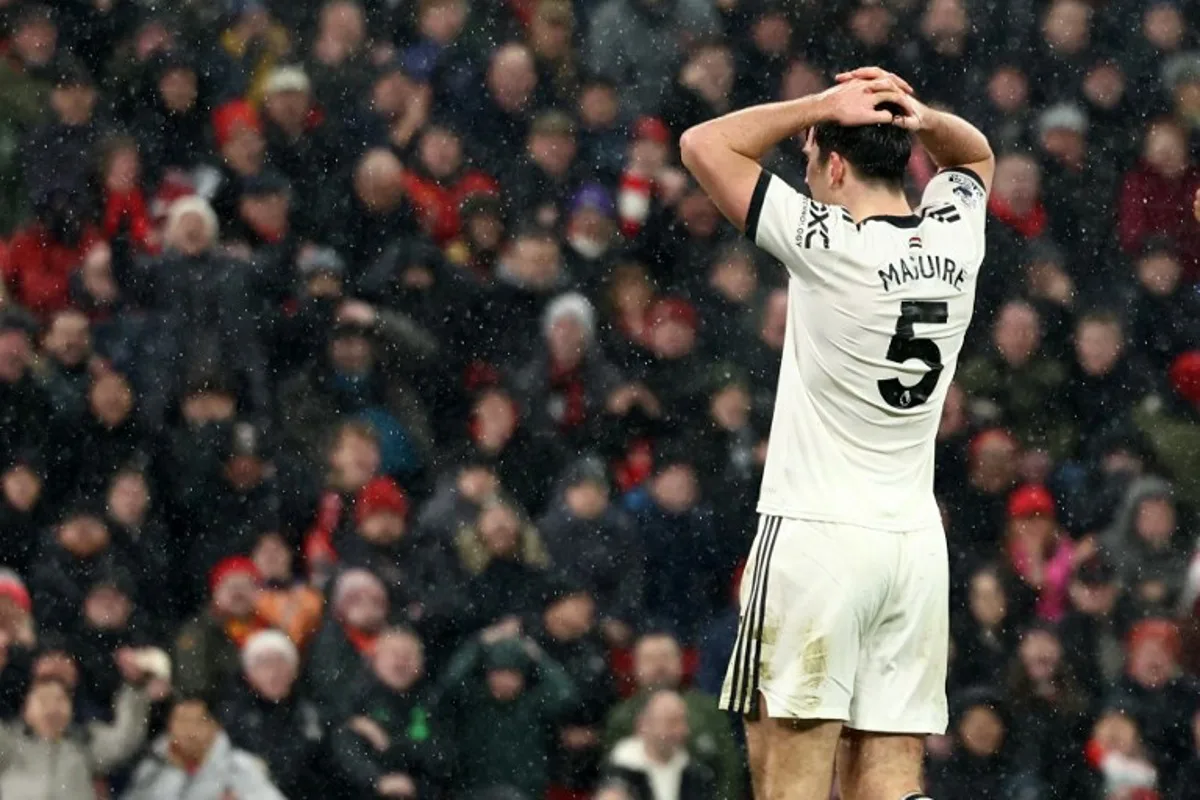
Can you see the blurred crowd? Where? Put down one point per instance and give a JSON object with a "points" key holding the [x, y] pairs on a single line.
{"points": [[382, 408]]}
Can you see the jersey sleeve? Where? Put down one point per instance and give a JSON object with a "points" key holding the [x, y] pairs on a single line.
{"points": [[791, 226], [956, 196]]}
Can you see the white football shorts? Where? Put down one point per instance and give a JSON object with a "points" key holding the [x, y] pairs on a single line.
{"points": [[839, 622]]}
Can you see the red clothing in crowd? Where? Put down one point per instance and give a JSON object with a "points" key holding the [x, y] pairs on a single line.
{"points": [[38, 270], [437, 203], [1151, 205], [1029, 225], [129, 209]]}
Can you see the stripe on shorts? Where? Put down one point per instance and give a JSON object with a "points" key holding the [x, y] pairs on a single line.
{"points": [[751, 625], [762, 612]]}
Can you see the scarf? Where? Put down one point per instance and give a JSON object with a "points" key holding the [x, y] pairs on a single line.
{"points": [[1029, 225]]}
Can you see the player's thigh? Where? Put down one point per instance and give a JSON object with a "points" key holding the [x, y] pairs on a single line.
{"points": [[879, 766], [799, 639], [900, 685], [795, 757]]}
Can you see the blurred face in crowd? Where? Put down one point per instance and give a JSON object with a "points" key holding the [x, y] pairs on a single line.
{"points": [[35, 42], [129, 498], [571, 617], [111, 399], [1151, 664], [378, 181], [245, 150], [774, 326], [1163, 26], [994, 466], [1017, 333], [1018, 182], [663, 726], [288, 109], [567, 342], [675, 489], [657, 663], [355, 459], [598, 106], [553, 152], [981, 731], [365, 607], [536, 260], [192, 730], [59, 666], [21, 487], [485, 231], [800, 80], [69, 340], [266, 214], [442, 21], [178, 89], [772, 33], [1186, 100], [343, 26], [1095, 600], [612, 793], [73, 105], [390, 94], [272, 675], [1098, 346], [550, 31], [1159, 273], [1117, 733], [1066, 145], [1008, 89], [945, 24], [1165, 149], [631, 291], [698, 214], [672, 338], [201, 408], [730, 407], [398, 660], [735, 277], [871, 24], [382, 528], [191, 234], [273, 558], [500, 531], [986, 599], [1104, 85], [1035, 534], [495, 420], [235, 595], [1155, 521], [107, 608], [1067, 26], [48, 710], [511, 77], [590, 232], [587, 500], [1041, 656], [476, 482], [351, 353], [440, 152], [505, 685], [15, 354], [83, 535]]}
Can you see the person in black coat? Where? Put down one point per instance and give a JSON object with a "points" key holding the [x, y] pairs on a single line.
{"points": [[370, 212], [111, 620], [171, 127], [1165, 317], [984, 637], [659, 746], [1093, 631], [265, 714], [1105, 382], [23, 509], [981, 763], [593, 544], [59, 155], [26, 409], [390, 736]]}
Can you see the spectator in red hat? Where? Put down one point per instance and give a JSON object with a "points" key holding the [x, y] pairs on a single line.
{"points": [[1040, 552], [676, 374], [238, 134], [207, 648]]}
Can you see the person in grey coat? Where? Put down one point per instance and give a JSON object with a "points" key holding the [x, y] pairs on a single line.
{"points": [[1149, 545], [43, 757], [195, 760]]}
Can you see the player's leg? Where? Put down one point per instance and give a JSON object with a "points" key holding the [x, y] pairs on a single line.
{"points": [[900, 690], [794, 663]]}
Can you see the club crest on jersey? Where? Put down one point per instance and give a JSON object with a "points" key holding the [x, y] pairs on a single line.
{"points": [[966, 189]]}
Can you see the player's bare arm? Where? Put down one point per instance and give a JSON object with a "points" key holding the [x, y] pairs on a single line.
{"points": [[723, 153], [950, 141]]}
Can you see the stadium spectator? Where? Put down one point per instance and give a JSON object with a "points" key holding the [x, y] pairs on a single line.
{"points": [[655, 763], [208, 646]]}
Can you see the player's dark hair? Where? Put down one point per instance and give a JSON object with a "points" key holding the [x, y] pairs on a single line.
{"points": [[878, 153]]}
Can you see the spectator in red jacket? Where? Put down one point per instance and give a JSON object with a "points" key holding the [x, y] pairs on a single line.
{"points": [[439, 182], [43, 255], [1155, 196]]}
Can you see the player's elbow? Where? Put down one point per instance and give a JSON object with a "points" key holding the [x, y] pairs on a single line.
{"points": [[691, 147]]}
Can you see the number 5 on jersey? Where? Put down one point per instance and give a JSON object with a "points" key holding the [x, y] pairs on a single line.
{"points": [[905, 345]]}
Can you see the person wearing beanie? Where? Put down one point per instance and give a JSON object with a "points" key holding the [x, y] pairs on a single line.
{"points": [[564, 389], [358, 612], [207, 648], [591, 233], [265, 713], [238, 134], [1040, 552]]}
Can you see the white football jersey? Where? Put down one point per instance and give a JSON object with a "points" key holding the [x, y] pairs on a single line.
{"points": [[877, 312]]}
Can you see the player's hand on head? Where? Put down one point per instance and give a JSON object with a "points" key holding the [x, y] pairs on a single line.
{"points": [[857, 102], [872, 74]]}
